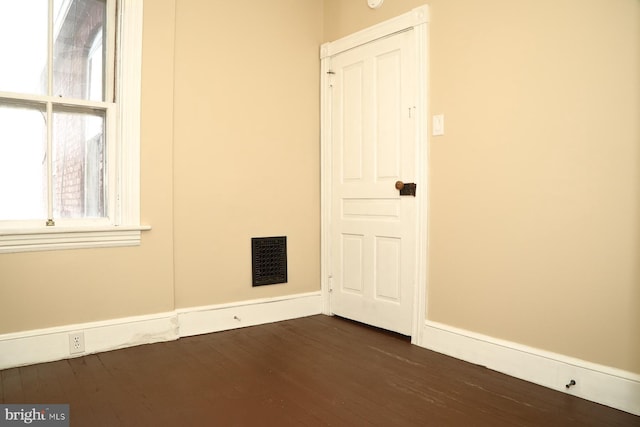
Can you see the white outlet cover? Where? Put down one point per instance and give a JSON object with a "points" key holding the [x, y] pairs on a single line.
{"points": [[374, 4], [76, 342]]}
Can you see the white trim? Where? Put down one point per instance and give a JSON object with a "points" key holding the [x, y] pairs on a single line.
{"points": [[418, 20], [325, 182], [598, 383], [29, 240], [413, 18], [46, 345], [221, 317], [421, 32], [128, 93], [43, 100]]}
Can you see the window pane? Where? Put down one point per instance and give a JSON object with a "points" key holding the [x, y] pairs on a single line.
{"points": [[78, 165], [23, 45], [23, 163], [79, 49]]}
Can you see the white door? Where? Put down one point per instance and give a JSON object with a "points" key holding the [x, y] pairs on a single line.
{"points": [[373, 228]]}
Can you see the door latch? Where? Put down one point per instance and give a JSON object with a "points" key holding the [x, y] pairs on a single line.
{"points": [[406, 189]]}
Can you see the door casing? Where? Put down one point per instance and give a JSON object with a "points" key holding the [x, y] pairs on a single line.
{"points": [[418, 20]]}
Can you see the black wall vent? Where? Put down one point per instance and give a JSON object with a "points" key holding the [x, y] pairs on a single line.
{"points": [[269, 260]]}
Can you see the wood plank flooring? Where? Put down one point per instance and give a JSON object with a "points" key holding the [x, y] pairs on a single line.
{"points": [[312, 371]]}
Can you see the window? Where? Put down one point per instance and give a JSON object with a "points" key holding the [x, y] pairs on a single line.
{"points": [[69, 123]]}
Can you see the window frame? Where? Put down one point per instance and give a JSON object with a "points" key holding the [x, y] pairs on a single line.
{"points": [[123, 227]]}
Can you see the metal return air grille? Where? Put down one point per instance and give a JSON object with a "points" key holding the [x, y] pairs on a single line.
{"points": [[269, 260]]}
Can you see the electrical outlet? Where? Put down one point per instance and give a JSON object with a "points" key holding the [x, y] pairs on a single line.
{"points": [[76, 343]]}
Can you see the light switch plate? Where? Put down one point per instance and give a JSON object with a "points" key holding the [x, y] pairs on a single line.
{"points": [[438, 125]]}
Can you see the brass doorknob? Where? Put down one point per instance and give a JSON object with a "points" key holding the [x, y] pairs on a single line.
{"points": [[399, 185]]}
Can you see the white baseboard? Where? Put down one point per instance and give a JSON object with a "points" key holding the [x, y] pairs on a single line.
{"points": [[214, 318], [47, 345], [602, 384], [598, 383]]}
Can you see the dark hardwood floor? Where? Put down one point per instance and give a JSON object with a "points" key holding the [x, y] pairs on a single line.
{"points": [[306, 372]]}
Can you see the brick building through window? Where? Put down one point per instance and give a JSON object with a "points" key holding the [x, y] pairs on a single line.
{"points": [[79, 166]]}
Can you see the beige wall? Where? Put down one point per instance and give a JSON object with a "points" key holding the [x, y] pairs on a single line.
{"points": [[536, 188], [343, 17], [246, 144], [230, 151], [534, 232]]}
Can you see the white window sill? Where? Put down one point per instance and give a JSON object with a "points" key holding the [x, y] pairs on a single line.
{"points": [[49, 239]]}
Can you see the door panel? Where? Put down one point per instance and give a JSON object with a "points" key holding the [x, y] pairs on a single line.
{"points": [[353, 114], [373, 237], [387, 277], [388, 103], [352, 263]]}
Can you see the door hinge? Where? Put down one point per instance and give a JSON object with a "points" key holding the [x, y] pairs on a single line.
{"points": [[330, 75]]}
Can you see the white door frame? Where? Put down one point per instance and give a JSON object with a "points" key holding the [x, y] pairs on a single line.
{"points": [[418, 20]]}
